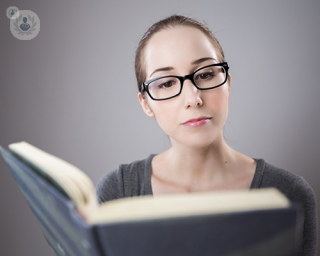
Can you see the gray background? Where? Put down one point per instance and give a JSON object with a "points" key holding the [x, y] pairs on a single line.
{"points": [[71, 90]]}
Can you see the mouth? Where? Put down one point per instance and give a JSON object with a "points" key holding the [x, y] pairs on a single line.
{"points": [[197, 121]]}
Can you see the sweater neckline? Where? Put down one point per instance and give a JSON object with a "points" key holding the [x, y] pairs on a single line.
{"points": [[256, 181]]}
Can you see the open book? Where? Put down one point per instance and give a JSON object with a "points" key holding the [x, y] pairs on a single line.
{"points": [[64, 201]]}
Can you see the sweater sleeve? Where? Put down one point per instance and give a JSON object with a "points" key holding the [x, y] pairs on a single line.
{"points": [[298, 191], [304, 194]]}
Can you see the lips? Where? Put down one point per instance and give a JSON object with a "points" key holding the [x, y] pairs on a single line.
{"points": [[197, 121]]}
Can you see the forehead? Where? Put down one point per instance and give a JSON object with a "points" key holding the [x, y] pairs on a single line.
{"points": [[177, 47]]}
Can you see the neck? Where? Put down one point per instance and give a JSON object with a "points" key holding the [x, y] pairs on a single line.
{"points": [[193, 165]]}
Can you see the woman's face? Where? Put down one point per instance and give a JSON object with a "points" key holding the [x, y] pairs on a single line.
{"points": [[174, 51]]}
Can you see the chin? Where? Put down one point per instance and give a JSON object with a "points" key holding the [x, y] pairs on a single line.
{"points": [[199, 141]]}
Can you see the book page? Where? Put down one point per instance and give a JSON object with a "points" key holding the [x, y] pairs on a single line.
{"points": [[149, 207], [74, 182]]}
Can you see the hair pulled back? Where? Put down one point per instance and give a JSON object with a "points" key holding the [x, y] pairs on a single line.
{"points": [[170, 22]]}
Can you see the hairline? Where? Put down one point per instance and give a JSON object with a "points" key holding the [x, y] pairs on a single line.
{"points": [[173, 26]]}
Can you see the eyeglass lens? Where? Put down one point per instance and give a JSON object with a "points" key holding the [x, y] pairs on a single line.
{"points": [[205, 78]]}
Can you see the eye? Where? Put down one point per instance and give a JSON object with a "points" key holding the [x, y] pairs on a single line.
{"points": [[205, 75], [166, 85]]}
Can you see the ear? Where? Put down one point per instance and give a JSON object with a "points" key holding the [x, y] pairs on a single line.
{"points": [[145, 106]]}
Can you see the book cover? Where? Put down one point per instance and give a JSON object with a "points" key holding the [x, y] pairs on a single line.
{"points": [[255, 232]]}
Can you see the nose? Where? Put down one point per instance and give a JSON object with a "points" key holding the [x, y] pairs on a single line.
{"points": [[191, 95]]}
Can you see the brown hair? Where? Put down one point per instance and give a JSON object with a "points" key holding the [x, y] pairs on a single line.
{"points": [[170, 22]]}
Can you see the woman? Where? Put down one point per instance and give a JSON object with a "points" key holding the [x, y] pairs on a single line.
{"points": [[183, 82]]}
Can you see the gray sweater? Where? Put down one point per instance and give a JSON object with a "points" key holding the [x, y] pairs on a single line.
{"points": [[134, 179]]}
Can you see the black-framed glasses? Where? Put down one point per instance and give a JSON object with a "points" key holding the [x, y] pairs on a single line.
{"points": [[204, 78]]}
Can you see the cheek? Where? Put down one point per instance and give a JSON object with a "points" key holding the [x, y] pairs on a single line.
{"points": [[166, 114], [218, 100]]}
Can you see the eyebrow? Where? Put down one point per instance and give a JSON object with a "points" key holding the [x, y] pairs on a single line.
{"points": [[202, 60], [195, 62]]}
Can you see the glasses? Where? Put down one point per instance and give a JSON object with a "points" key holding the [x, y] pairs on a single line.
{"points": [[205, 78]]}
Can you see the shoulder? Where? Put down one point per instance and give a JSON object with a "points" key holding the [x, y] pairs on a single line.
{"points": [[294, 186], [298, 191], [124, 181]]}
